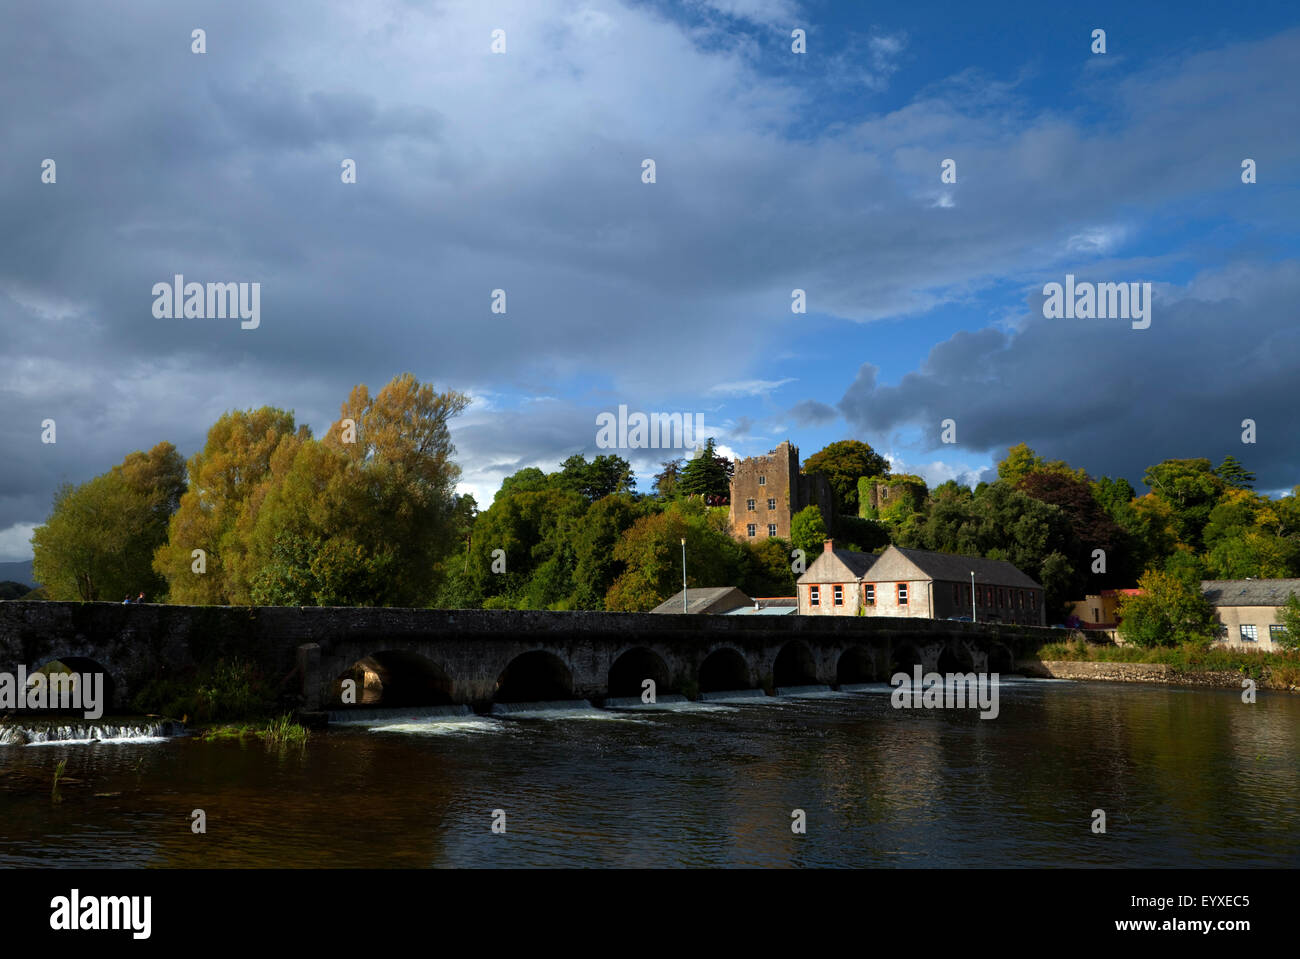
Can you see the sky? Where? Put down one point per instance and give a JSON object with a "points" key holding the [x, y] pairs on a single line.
{"points": [[774, 171]]}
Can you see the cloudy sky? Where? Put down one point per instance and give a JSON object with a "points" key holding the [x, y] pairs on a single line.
{"points": [[774, 171]]}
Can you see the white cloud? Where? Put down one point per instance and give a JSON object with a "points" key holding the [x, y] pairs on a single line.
{"points": [[15, 542], [748, 387]]}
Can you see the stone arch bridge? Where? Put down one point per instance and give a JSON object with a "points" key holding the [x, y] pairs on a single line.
{"points": [[480, 657]]}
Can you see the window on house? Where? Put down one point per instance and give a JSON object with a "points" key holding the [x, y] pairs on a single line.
{"points": [[956, 592], [1276, 633], [814, 596], [762, 481], [839, 595], [771, 504], [1249, 634], [749, 505], [902, 594], [771, 529], [1096, 615], [1033, 600], [869, 594], [752, 528]]}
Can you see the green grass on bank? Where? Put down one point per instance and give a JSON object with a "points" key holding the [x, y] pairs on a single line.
{"points": [[281, 731], [1190, 658]]}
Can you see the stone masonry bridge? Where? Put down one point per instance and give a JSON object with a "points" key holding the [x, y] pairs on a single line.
{"points": [[478, 657]]}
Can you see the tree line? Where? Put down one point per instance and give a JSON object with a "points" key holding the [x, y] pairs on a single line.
{"points": [[266, 514]]}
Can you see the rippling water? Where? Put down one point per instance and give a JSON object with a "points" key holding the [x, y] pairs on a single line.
{"points": [[1186, 777]]}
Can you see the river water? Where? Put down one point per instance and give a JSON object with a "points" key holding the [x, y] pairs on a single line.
{"points": [[1186, 777]]}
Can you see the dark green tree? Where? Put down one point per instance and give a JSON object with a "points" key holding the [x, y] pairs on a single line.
{"points": [[843, 463]]}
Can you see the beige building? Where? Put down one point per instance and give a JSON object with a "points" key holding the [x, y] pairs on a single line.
{"points": [[1248, 610], [832, 584], [766, 491], [919, 583], [1098, 610]]}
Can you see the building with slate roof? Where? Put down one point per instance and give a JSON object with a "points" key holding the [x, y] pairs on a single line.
{"points": [[705, 599], [919, 583], [1248, 610]]}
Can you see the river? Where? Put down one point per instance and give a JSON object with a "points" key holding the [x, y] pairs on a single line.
{"points": [[1185, 776]]}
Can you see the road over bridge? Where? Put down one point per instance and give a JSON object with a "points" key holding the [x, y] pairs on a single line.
{"points": [[480, 657]]}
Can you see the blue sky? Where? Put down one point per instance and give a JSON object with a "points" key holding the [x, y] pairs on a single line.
{"points": [[774, 171]]}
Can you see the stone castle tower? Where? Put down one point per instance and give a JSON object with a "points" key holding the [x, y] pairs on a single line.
{"points": [[766, 491]]}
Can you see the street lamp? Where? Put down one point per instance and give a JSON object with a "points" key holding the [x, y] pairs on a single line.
{"points": [[972, 596], [683, 574]]}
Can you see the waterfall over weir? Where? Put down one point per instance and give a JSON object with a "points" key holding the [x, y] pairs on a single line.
{"points": [[554, 706], [14, 734], [397, 714]]}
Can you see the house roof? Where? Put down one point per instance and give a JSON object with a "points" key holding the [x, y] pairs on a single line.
{"points": [[856, 563], [705, 599], [1249, 592], [950, 567], [762, 611]]}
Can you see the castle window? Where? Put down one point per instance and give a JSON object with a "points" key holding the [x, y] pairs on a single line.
{"points": [[839, 595], [771, 504], [771, 529], [749, 505], [752, 529], [762, 481], [814, 596], [902, 594]]}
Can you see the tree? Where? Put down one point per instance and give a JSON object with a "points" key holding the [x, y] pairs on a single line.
{"points": [[13, 590], [1289, 616], [651, 553], [99, 540], [665, 485], [603, 476], [1234, 474], [843, 463], [1021, 461], [403, 457], [1170, 611], [226, 482], [707, 474], [1191, 489], [808, 531]]}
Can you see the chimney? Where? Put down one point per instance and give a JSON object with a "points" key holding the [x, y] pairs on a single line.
{"points": [[828, 546]]}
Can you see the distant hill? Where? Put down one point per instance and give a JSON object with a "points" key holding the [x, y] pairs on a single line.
{"points": [[18, 572]]}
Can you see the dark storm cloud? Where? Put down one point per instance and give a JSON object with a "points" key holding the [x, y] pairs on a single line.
{"points": [[813, 413], [1116, 400]]}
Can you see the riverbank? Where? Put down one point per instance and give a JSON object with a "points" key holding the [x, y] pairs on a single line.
{"points": [[1191, 665]]}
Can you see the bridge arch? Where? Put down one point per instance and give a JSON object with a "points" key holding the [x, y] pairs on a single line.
{"points": [[396, 677], [856, 665], [80, 665], [634, 666], [903, 657], [724, 668], [1000, 659], [955, 658], [794, 666], [534, 676]]}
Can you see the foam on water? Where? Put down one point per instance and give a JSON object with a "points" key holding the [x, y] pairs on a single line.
{"points": [[724, 695], [807, 692], [414, 714], [561, 709], [456, 727]]}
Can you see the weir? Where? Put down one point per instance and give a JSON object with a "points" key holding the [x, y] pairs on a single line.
{"points": [[481, 659]]}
